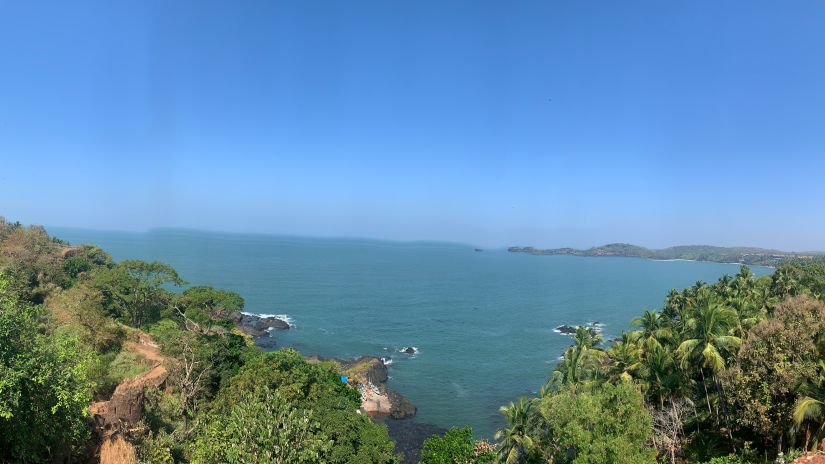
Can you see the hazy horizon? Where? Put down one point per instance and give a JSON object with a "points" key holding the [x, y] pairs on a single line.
{"points": [[390, 240], [541, 124]]}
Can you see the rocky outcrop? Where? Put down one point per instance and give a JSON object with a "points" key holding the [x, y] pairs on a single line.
{"points": [[125, 407], [365, 369], [400, 407], [369, 374], [257, 327]]}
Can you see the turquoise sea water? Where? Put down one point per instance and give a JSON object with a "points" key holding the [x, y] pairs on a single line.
{"points": [[482, 321]]}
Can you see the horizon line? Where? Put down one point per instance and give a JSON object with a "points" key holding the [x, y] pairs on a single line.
{"points": [[399, 241]]}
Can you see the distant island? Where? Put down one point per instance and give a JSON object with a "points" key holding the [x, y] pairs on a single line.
{"points": [[739, 255]]}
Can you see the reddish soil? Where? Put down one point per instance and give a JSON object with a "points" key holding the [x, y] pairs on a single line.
{"points": [[811, 458], [125, 407]]}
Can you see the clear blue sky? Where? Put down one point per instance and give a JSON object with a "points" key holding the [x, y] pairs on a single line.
{"points": [[496, 123]]}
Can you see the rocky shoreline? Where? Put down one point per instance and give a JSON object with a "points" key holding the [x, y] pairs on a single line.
{"points": [[369, 374], [260, 328]]}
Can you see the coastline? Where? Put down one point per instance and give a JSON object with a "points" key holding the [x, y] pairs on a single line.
{"points": [[368, 374], [748, 256]]}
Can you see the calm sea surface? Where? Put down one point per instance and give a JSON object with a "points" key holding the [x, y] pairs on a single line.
{"points": [[482, 321]]}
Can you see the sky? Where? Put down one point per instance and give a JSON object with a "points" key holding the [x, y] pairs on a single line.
{"points": [[551, 123]]}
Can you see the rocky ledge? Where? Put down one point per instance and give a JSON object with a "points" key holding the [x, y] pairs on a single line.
{"points": [[258, 327], [369, 375]]}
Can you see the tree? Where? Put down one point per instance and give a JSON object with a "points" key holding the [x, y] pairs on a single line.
{"points": [[515, 441], [318, 388], [776, 356], [708, 338], [44, 386], [625, 359], [456, 446], [662, 376], [132, 290], [579, 361], [212, 300], [652, 329], [262, 428], [34, 259], [81, 306], [668, 427], [605, 424], [810, 408]]}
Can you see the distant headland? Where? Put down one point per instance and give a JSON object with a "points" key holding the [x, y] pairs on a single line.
{"points": [[738, 255]]}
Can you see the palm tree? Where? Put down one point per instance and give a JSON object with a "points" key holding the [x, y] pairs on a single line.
{"points": [[723, 285], [708, 338], [625, 357], [808, 408], [653, 330], [579, 360], [514, 440], [784, 283]]}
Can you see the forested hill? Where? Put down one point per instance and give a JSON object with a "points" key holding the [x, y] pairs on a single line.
{"points": [[741, 255]]}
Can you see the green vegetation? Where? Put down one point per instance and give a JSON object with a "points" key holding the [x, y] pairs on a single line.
{"points": [[732, 372], [44, 385], [70, 318], [741, 255], [457, 445]]}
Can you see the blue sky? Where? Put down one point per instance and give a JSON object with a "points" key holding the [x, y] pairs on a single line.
{"points": [[552, 123]]}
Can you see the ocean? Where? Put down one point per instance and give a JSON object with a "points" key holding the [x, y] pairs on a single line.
{"points": [[482, 322]]}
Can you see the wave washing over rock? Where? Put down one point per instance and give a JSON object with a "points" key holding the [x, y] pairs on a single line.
{"points": [[258, 326], [593, 326], [409, 350]]}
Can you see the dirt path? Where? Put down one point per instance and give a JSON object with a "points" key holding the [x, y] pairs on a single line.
{"points": [[146, 349], [125, 407]]}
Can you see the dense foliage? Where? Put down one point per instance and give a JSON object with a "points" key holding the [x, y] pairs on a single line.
{"points": [[68, 315], [44, 386], [730, 372], [457, 445]]}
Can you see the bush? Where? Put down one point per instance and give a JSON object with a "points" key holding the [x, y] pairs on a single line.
{"points": [[44, 387]]}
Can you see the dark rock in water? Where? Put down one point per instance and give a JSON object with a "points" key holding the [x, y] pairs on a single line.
{"points": [[257, 326], [401, 407], [272, 323], [409, 350], [409, 436], [566, 329], [254, 331], [266, 342]]}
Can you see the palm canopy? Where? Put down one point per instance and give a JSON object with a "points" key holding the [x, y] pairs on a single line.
{"points": [[514, 439], [652, 328], [708, 335], [626, 359], [580, 360], [812, 409]]}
